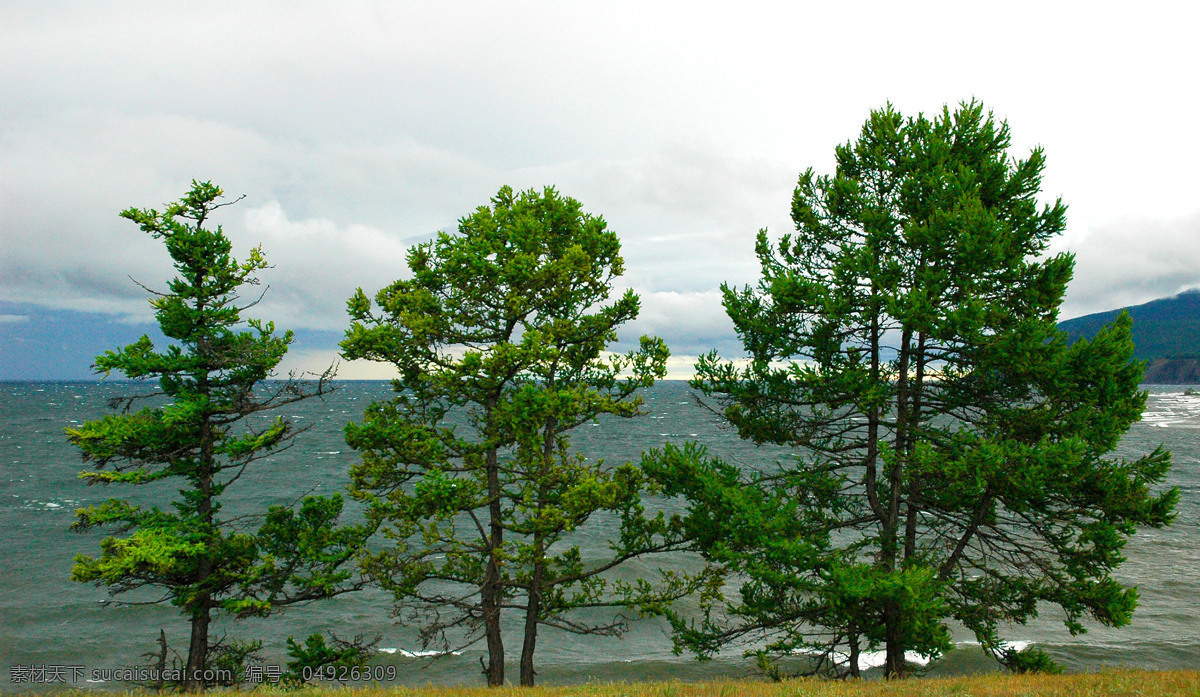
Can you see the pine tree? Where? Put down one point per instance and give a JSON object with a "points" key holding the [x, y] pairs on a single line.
{"points": [[953, 452], [500, 339], [198, 432]]}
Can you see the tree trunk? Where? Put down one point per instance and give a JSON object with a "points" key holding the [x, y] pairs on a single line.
{"points": [[494, 670], [202, 606], [855, 652], [537, 578], [889, 544], [531, 617], [161, 665], [914, 494], [490, 594], [871, 474], [193, 679], [893, 667]]}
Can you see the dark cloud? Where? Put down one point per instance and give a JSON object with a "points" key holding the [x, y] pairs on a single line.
{"points": [[358, 128]]}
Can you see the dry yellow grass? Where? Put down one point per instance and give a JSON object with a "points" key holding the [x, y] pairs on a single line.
{"points": [[1113, 682]]}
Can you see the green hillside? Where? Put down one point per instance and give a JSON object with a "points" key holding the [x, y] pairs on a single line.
{"points": [[1166, 334]]}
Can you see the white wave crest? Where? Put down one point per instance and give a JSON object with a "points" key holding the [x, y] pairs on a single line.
{"points": [[876, 659], [419, 654]]}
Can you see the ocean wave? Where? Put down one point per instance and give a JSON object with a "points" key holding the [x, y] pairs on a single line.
{"points": [[876, 659], [50, 505], [1015, 645], [419, 654]]}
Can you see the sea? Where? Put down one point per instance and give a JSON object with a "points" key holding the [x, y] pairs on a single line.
{"points": [[51, 627]]}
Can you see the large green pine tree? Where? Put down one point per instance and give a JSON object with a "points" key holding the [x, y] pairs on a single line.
{"points": [[198, 433], [500, 340], [953, 452]]}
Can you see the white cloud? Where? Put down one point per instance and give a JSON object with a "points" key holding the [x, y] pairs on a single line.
{"points": [[319, 264], [1133, 262], [689, 322], [67, 177], [314, 362]]}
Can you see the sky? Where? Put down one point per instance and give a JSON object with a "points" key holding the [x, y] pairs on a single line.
{"points": [[356, 129]]}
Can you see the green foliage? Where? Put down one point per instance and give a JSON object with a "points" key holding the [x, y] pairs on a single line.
{"points": [[315, 655], [952, 449], [200, 436], [1030, 660], [230, 660], [500, 336]]}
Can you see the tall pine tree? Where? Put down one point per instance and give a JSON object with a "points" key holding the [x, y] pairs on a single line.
{"points": [[199, 436], [953, 452]]}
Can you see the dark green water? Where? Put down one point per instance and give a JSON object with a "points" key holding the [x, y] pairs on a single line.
{"points": [[46, 620]]}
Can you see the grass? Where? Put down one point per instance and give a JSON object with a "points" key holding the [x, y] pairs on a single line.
{"points": [[1111, 682]]}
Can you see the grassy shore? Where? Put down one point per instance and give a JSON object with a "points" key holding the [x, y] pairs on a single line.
{"points": [[1112, 682]]}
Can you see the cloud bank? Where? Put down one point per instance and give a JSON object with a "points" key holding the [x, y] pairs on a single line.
{"points": [[357, 129]]}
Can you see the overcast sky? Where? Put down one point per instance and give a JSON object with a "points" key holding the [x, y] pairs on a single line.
{"points": [[355, 129]]}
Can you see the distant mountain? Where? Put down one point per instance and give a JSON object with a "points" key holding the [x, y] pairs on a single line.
{"points": [[1166, 334]]}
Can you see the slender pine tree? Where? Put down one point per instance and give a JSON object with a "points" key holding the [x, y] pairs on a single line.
{"points": [[198, 434]]}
